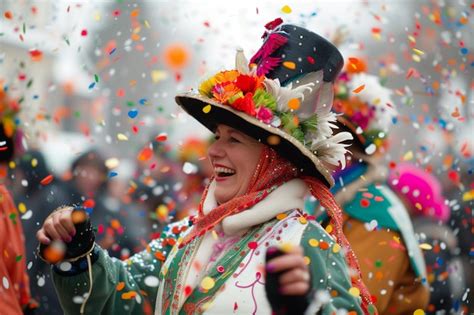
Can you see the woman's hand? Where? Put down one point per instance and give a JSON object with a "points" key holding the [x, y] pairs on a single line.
{"points": [[59, 225], [294, 278]]}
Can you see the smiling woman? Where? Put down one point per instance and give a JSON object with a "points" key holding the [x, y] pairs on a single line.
{"points": [[251, 248], [234, 156]]}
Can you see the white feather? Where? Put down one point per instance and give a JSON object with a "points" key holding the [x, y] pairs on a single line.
{"points": [[283, 94], [331, 150]]}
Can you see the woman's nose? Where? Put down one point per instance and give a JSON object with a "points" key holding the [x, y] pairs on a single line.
{"points": [[216, 150]]}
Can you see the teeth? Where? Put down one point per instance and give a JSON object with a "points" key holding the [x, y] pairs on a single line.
{"points": [[226, 170]]}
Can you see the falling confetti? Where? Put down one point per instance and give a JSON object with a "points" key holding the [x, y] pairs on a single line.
{"points": [[47, 180], [359, 89], [286, 9], [122, 137], [206, 109]]}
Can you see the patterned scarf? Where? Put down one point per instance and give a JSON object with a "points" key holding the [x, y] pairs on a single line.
{"points": [[271, 172]]}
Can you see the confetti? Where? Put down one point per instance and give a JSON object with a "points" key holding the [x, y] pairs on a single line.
{"points": [[294, 104], [55, 252], [187, 290], [47, 180], [151, 281], [273, 140], [408, 156], [120, 286], [207, 283], [176, 56], [206, 109], [286, 9], [122, 137], [289, 64], [129, 295], [425, 246], [358, 89], [133, 113], [313, 242], [354, 292], [36, 55], [22, 207], [145, 154], [5, 283], [8, 15], [162, 137], [88, 203], [324, 245]]}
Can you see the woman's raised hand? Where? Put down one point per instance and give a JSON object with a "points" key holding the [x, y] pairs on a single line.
{"points": [[59, 225]]}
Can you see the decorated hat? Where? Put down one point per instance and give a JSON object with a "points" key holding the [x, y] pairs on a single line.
{"points": [[421, 189], [365, 106], [283, 98]]}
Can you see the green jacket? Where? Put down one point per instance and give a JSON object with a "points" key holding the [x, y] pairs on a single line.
{"points": [[131, 286]]}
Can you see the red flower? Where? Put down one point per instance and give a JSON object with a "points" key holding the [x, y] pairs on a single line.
{"points": [[247, 83], [245, 104]]}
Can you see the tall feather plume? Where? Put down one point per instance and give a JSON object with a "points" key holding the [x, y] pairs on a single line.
{"points": [[262, 57]]}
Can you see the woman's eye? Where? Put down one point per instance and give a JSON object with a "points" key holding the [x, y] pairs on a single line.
{"points": [[232, 139]]}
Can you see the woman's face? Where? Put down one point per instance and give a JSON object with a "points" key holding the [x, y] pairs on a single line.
{"points": [[234, 157]]}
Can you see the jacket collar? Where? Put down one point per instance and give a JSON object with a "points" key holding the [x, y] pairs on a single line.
{"points": [[288, 196]]}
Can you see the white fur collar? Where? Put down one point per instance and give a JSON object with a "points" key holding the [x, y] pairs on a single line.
{"points": [[288, 196]]}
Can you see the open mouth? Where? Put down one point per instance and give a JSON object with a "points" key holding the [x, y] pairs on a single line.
{"points": [[223, 172]]}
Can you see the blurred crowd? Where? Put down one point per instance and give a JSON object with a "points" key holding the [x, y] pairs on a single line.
{"points": [[164, 186]]}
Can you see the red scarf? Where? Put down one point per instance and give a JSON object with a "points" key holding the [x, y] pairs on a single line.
{"points": [[271, 172]]}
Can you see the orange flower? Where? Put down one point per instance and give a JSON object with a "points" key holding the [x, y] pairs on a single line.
{"points": [[222, 92]]}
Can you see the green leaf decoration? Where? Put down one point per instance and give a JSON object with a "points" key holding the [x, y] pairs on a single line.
{"points": [[298, 134], [263, 98], [309, 124], [288, 122]]}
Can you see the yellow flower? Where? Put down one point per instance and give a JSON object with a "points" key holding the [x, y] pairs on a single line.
{"points": [[206, 87], [227, 76]]}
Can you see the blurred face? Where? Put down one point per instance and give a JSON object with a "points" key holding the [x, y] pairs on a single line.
{"points": [[88, 179], [234, 157]]}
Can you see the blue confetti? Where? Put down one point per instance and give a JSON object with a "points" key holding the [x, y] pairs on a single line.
{"points": [[439, 261], [112, 51], [394, 120], [112, 174], [133, 113], [143, 101], [35, 97], [442, 123], [464, 51], [91, 86]]}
